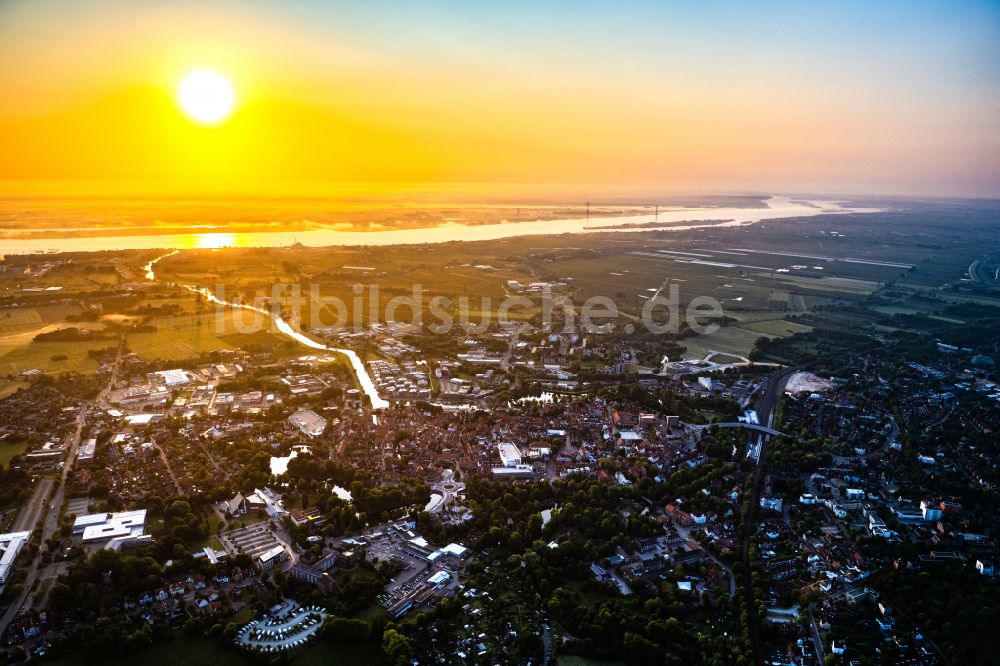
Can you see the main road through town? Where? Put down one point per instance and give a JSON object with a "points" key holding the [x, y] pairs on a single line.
{"points": [[48, 516], [767, 400]]}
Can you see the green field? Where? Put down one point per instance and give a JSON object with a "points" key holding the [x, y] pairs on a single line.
{"points": [[730, 339], [187, 336], [30, 355], [776, 327]]}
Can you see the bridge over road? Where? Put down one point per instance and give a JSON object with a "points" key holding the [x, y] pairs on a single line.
{"points": [[749, 426]]}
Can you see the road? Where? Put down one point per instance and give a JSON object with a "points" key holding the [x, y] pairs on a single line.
{"points": [[170, 471], [770, 393], [980, 270], [685, 533], [817, 641], [33, 510], [53, 508]]}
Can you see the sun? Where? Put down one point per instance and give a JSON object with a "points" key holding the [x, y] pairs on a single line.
{"points": [[206, 97]]}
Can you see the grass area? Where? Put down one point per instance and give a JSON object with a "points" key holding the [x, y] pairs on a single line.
{"points": [[9, 450], [154, 524], [18, 319], [212, 541], [329, 654], [726, 358], [573, 660], [49, 356], [731, 339], [181, 650], [776, 327], [242, 616], [187, 335], [202, 651], [10, 387]]}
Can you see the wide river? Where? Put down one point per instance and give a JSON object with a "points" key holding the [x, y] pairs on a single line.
{"points": [[674, 219]]}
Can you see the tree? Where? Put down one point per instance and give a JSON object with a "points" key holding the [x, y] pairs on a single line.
{"points": [[396, 647]]}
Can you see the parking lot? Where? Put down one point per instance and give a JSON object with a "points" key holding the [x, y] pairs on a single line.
{"points": [[291, 628], [252, 539]]}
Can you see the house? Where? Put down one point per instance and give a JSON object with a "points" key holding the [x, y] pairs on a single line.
{"points": [[236, 506], [682, 517], [197, 582], [600, 573]]}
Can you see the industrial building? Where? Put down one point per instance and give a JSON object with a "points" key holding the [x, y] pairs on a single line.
{"points": [[10, 547], [308, 422], [110, 526]]}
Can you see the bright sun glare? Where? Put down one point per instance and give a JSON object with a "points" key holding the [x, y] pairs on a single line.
{"points": [[206, 97]]}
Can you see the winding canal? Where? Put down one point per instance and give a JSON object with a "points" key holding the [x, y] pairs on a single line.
{"points": [[364, 379]]}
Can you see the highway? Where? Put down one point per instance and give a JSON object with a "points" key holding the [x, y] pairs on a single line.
{"points": [[987, 270]]}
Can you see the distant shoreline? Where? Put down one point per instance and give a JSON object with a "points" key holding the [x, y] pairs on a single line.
{"points": [[447, 230]]}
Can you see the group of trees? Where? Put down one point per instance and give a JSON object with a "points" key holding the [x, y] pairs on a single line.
{"points": [[954, 603], [545, 569]]}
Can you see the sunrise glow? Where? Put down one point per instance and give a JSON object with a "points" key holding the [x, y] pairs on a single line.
{"points": [[206, 97]]}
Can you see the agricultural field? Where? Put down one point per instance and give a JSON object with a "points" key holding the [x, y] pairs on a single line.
{"points": [[187, 336], [732, 339], [20, 352], [774, 278]]}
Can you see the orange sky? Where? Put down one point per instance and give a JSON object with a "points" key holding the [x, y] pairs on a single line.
{"points": [[631, 99]]}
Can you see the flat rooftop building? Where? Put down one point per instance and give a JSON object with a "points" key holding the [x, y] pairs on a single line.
{"points": [[309, 422], [516, 472], [510, 455], [175, 377], [10, 546], [86, 453], [106, 526], [271, 557]]}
